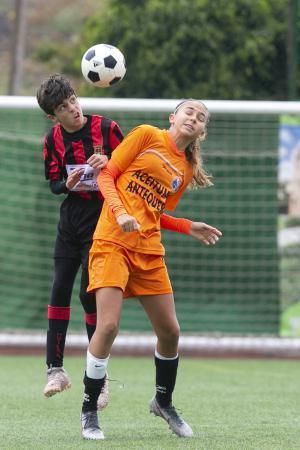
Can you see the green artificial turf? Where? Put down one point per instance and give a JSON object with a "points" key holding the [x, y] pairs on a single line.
{"points": [[230, 404]]}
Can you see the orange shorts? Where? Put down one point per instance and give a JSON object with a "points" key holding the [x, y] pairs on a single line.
{"points": [[137, 274]]}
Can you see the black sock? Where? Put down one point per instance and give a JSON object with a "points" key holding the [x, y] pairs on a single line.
{"points": [[56, 338], [166, 371], [92, 389]]}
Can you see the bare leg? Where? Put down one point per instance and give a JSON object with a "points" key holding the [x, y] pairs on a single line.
{"points": [[109, 306], [162, 315]]}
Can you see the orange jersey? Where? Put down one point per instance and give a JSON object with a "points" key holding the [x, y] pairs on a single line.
{"points": [[154, 175]]}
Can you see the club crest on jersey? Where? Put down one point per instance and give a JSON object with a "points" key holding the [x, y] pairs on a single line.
{"points": [[176, 183]]}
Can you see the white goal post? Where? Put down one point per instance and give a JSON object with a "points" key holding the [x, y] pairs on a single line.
{"points": [[167, 105]]}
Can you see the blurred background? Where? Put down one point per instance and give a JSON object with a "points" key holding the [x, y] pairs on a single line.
{"points": [[228, 52], [214, 49]]}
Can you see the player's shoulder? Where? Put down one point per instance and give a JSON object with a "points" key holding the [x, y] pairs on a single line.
{"points": [[53, 131], [95, 116], [148, 130], [103, 120], [100, 117]]}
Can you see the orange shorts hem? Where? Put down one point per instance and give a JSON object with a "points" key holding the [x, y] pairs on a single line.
{"points": [[136, 274]]}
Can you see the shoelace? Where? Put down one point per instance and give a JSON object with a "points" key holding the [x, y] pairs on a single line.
{"points": [[121, 385]]}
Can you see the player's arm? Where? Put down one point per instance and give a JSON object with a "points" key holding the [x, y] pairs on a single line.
{"points": [[58, 187], [54, 171], [57, 184], [199, 230], [107, 184], [64, 186], [135, 141]]}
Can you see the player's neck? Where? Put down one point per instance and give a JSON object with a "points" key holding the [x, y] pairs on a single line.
{"points": [[180, 141], [69, 128]]}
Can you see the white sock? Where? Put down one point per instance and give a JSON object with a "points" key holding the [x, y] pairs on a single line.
{"points": [[159, 356], [95, 367]]}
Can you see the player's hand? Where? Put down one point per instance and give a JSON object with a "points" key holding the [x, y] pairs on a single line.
{"points": [[97, 161], [128, 223], [205, 233], [73, 178]]}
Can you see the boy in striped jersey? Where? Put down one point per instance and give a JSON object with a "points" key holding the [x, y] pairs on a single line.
{"points": [[76, 141]]}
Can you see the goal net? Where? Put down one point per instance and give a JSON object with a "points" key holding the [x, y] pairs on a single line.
{"points": [[231, 288]]}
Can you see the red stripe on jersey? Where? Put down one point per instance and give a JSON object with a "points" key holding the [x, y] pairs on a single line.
{"points": [[96, 136], [54, 152], [59, 312], [59, 143]]}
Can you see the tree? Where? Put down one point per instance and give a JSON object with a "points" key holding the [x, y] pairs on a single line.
{"points": [[215, 49], [17, 54]]}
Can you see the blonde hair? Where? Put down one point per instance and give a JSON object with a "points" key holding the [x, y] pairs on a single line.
{"points": [[193, 154]]}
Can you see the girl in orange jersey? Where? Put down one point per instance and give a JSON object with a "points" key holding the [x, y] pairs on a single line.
{"points": [[148, 173]]}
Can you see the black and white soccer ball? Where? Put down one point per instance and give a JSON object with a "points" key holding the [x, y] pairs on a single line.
{"points": [[103, 65]]}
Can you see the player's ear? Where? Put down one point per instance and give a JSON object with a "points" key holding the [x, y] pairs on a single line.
{"points": [[171, 118], [52, 118]]}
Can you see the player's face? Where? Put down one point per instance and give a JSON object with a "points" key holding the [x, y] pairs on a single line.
{"points": [[69, 114], [190, 120]]}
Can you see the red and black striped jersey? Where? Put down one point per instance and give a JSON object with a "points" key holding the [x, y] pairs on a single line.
{"points": [[98, 135]]}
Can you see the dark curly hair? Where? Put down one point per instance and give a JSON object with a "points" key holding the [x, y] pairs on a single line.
{"points": [[53, 91]]}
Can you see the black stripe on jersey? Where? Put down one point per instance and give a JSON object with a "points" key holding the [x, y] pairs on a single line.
{"points": [[118, 133], [51, 148], [69, 153], [87, 142], [106, 125]]}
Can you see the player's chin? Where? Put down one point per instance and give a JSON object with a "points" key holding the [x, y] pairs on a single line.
{"points": [[189, 132], [78, 121]]}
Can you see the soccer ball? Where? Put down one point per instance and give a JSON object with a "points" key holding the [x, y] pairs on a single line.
{"points": [[103, 65]]}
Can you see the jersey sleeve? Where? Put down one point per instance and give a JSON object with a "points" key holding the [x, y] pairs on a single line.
{"points": [[135, 141], [177, 224], [106, 181], [53, 170], [121, 158]]}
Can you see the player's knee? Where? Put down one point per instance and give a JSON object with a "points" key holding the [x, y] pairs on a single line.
{"points": [[110, 329], [170, 334], [174, 334]]}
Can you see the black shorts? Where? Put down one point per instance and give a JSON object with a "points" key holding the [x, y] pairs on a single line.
{"points": [[76, 226]]}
